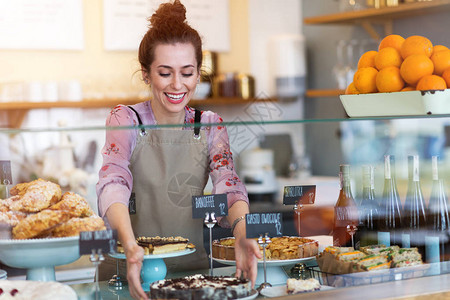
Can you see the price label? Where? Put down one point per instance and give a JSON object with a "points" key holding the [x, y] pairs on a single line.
{"points": [[299, 194], [102, 239], [216, 203], [262, 223], [5, 172]]}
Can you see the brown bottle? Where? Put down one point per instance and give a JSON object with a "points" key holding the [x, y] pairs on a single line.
{"points": [[345, 212]]}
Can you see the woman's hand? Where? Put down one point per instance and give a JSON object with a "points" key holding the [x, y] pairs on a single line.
{"points": [[135, 256], [247, 255]]}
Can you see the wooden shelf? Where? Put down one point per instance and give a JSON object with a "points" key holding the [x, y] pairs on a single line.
{"points": [[383, 15], [323, 93], [16, 111]]}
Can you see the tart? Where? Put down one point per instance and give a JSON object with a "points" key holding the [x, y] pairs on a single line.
{"points": [[280, 248], [200, 287]]}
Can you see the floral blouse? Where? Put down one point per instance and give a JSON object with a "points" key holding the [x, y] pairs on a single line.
{"points": [[115, 178]]}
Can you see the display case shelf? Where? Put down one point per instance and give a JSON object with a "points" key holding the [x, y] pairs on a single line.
{"points": [[384, 15], [16, 111]]}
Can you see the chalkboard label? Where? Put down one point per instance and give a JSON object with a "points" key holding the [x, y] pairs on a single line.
{"points": [[299, 194], [5, 172], [216, 204], [263, 223], [95, 240]]}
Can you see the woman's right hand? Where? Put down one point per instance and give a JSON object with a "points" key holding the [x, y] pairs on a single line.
{"points": [[135, 257]]}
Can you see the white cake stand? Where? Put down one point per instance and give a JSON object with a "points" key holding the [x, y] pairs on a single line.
{"points": [[274, 271], [39, 256], [154, 268]]}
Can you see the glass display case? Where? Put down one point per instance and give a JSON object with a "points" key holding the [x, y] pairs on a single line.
{"points": [[71, 157]]}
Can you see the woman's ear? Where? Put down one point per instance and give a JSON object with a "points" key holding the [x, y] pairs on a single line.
{"points": [[145, 76]]}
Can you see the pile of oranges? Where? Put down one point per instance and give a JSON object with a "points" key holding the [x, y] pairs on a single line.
{"points": [[402, 65]]}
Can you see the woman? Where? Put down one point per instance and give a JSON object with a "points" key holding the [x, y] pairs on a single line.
{"points": [[156, 172]]}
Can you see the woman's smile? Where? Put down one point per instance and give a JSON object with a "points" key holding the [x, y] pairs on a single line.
{"points": [[175, 98]]}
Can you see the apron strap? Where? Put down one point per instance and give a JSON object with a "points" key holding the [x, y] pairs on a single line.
{"points": [[139, 120], [197, 117]]}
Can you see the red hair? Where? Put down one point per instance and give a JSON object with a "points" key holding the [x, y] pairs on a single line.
{"points": [[168, 25]]}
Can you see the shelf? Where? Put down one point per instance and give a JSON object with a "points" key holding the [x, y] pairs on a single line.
{"points": [[383, 15], [323, 93], [16, 111]]}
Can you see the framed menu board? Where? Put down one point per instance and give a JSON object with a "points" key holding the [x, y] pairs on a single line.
{"points": [[125, 22]]}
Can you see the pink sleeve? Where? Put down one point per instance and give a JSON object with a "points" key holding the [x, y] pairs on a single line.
{"points": [[223, 175], [115, 179]]}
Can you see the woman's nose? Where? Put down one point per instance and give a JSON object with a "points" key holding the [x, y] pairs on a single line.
{"points": [[176, 82]]}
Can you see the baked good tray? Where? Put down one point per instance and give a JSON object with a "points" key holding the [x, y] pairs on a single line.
{"points": [[410, 103]]}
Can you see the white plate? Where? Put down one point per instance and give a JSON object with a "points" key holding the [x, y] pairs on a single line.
{"points": [[269, 263], [411, 103], [154, 256], [278, 291]]}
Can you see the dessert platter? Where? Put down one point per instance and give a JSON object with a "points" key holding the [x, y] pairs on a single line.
{"points": [[294, 286], [157, 248], [36, 290], [203, 287], [40, 227], [282, 251]]}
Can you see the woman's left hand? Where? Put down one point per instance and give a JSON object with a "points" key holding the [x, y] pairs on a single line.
{"points": [[247, 254]]}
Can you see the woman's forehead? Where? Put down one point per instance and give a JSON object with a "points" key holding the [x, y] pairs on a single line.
{"points": [[175, 55]]}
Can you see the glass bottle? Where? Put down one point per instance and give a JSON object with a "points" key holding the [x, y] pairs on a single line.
{"points": [[390, 221], [414, 209], [345, 212], [369, 209], [437, 244]]}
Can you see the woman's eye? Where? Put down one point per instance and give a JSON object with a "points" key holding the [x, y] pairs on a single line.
{"points": [[188, 75], [164, 74]]}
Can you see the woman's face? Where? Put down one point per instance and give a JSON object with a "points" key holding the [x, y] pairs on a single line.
{"points": [[173, 76]]}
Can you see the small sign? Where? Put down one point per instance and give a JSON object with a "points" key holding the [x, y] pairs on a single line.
{"points": [[95, 240], [263, 223], [299, 194], [216, 203], [5, 172]]}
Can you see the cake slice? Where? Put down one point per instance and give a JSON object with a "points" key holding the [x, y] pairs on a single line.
{"points": [[161, 245], [295, 286]]}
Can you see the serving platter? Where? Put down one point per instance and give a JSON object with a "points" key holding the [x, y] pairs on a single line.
{"points": [[39, 256], [281, 290], [275, 273], [154, 268]]}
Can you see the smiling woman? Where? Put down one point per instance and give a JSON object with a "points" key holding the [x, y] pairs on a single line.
{"points": [[147, 183]]}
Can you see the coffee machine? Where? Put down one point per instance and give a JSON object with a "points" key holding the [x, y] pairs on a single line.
{"points": [[258, 175]]}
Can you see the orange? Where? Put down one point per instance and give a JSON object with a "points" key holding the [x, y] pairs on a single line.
{"points": [[351, 89], [367, 59], [389, 80], [387, 57], [431, 82], [446, 76], [441, 61], [416, 44], [437, 48], [365, 80], [408, 88], [392, 40], [415, 67]]}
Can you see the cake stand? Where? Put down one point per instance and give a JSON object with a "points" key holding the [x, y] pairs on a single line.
{"points": [[154, 268], [274, 271], [39, 256]]}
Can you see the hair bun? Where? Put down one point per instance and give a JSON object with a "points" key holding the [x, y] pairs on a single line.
{"points": [[169, 13]]}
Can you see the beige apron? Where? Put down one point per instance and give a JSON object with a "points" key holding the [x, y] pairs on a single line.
{"points": [[168, 167]]}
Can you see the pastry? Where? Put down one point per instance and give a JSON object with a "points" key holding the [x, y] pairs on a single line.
{"points": [[36, 290], [39, 223], [34, 196], [74, 226], [200, 287], [295, 286], [280, 248], [160, 245], [75, 204]]}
